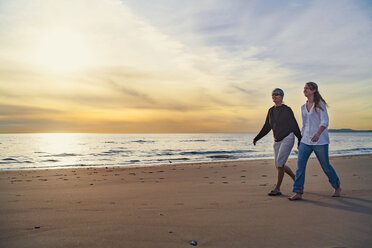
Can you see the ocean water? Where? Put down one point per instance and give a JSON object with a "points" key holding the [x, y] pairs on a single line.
{"points": [[48, 151]]}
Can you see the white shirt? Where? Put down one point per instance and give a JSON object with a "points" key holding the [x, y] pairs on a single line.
{"points": [[311, 121]]}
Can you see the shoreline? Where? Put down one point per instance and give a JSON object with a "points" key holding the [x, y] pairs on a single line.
{"points": [[218, 204], [173, 163]]}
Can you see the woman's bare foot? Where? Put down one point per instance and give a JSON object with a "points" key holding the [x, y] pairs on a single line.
{"points": [[295, 197], [337, 192]]}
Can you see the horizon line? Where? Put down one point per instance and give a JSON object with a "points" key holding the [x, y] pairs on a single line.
{"points": [[330, 129]]}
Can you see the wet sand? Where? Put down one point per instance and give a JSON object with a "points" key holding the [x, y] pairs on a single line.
{"points": [[222, 204]]}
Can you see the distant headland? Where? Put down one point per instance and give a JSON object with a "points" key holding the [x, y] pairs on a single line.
{"points": [[348, 130]]}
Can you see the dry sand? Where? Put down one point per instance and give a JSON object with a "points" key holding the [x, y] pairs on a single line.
{"points": [[221, 204]]}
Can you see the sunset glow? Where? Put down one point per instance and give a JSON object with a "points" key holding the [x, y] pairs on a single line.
{"points": [[135, 66], [62, 50]]}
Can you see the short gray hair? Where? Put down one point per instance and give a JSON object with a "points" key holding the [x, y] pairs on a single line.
{"points": [[278, 91]]}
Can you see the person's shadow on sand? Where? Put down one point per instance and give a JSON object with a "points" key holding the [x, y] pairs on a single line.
{"points": [[348, 203]]}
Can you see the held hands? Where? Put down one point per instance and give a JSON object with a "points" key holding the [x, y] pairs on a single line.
{"points": [[315, 138]]}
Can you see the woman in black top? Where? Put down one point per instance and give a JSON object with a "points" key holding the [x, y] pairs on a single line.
{"points": [[281, 120]]}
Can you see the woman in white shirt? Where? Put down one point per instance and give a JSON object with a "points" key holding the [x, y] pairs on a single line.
{"points": [[314, 138]]}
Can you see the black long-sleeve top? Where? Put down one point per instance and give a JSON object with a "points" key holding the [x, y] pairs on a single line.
{"points": [[282, 121]]}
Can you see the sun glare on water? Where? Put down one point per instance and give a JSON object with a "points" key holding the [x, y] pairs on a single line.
{"points": [[63, 50]]}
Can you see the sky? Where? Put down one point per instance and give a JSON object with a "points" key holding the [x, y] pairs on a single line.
{"points": [[136, 66]]}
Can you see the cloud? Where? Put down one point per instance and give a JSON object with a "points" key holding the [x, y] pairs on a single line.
{"points": [[248, 92], [132, 92], [12, 110], [180, 61], [321, 38]]}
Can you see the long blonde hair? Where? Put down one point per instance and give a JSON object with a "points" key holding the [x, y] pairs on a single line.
{"points": [[317, 96]]}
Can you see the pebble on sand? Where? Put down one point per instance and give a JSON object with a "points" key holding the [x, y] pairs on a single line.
{"points": [[193, 243]]}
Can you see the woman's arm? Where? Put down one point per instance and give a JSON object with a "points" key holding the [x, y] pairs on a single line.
{"points": [[324, 121], [294, 126], [265, 129], [316, 136]]}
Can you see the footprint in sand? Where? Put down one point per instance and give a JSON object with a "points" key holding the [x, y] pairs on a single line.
{"points": [[263, 184], [263, 175]]}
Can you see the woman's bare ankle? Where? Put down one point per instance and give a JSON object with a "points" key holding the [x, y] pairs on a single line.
{"points": [[296, 196], [337, 192]]}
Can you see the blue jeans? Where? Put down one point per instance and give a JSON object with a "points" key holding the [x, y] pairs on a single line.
{"points": [[321, 152]]}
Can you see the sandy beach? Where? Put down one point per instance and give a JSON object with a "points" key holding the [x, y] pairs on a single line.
{"points": [[222, 204]]}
